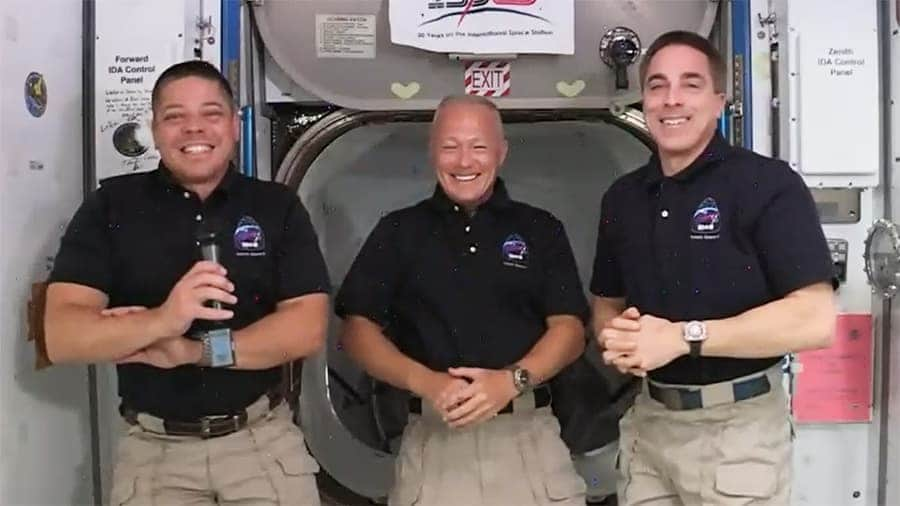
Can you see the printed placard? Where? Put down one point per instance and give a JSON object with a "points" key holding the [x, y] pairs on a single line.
{"points": [[345, 36], [834, 385]]}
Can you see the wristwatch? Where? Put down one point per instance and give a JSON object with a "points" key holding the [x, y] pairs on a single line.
{"points": [[694, 333], [218, 348], [521, 378]]}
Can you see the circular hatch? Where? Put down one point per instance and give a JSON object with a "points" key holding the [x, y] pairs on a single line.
{"points": [[351, 168]]}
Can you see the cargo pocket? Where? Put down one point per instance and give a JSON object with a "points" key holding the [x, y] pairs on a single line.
{"points": [[409, 466], [297, 464], [750, 480], [294, 475], [124, 489], [627, 444], [136, 459], [561, 481]]}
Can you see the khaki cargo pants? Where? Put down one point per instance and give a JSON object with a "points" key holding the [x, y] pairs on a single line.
{"points": [[738, 453], [515, 459], [266, 463]]}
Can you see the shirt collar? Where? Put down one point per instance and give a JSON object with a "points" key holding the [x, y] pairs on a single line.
{"points": [[499, 199], [716, 151]]}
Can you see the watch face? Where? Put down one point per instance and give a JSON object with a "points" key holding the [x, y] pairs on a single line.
{"points": [[694, 331], [220, 344], [521, 378]]}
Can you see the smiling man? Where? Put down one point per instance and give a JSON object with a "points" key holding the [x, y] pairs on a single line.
{"points": [[470, 301], [711, 265], [200, 385]]}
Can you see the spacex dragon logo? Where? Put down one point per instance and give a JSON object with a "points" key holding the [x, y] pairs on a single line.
{"points": [[463, 8]]}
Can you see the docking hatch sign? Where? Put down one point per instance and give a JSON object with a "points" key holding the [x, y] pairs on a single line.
{"points": [[345, 36]]}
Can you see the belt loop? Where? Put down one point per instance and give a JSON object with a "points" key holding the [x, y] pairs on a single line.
{"points": [[524, 401], [150, 423], [717, 393], [776, 376]]}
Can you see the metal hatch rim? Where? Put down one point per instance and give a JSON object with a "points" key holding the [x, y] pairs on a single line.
{"points": [[322, 133]]}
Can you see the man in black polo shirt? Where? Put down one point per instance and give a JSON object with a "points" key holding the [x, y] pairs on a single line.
{"points": [[711, 265], [470, 301], [200, 385]]}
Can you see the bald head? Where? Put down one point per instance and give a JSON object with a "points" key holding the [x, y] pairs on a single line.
{"points": [[468, 102]]}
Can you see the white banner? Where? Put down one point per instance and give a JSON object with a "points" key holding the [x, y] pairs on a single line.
{"points": [[484, 26]]}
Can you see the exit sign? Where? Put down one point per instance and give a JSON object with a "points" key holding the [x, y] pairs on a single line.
{"points": [[487, 78]]}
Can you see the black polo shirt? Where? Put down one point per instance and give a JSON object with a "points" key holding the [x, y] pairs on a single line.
{"points": [[733, 231], [135, 237], [453, 291]]}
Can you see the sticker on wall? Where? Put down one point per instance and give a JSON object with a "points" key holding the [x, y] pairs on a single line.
{"points": [[570, 90], [488, 78], [131, 139], [405, 91], [36, 94]]}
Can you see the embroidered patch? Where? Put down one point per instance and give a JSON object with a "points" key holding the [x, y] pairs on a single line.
{"points": [[705, 220], [249, 239], [515, 252]]}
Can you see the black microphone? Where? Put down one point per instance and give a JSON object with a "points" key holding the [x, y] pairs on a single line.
{"points": [[215, 335], [209, 250]]}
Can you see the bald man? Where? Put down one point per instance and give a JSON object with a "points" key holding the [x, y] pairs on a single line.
{"points": [[470, 301]]}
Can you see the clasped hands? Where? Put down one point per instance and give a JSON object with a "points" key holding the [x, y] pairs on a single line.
{"points": [[467, 396], [636, 343]]}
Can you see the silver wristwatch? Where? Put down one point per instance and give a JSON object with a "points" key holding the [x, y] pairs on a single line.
{"points": [[521, 378], [694, 333], [217, 348]]}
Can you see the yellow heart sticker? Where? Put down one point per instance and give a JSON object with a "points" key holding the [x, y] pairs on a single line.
{"points": [[570, 90], [405, 91]]}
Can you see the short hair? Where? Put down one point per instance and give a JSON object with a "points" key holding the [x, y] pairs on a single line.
{"points": [[450, 100], [692, 40], [191, 68]]}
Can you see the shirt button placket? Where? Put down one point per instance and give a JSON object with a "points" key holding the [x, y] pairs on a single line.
{"points": [[664, 237]]}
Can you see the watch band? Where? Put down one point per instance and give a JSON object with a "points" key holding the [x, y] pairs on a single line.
{"points": [[695, 348], [206, 352]]}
